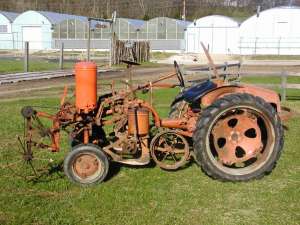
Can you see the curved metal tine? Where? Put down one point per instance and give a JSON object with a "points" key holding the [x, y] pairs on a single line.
{"points": [[33, 168], [40, 126], [22, 144], [11, 164], [17, 174], [24, 133]]}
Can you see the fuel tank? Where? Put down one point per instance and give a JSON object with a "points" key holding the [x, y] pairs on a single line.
{"points": [[139, 116], [86, 86]]}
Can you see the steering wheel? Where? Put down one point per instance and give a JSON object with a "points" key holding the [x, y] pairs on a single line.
{"points": [[179, 74]]}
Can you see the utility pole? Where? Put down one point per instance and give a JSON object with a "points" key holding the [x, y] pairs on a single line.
{"points": [[184, 10]]}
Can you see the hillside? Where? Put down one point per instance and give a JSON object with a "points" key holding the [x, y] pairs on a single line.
{"points": [[144, 9]]}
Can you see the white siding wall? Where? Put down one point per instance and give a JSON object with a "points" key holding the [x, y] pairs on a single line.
{"points": [[274, 31], [40, 26], [6, 37], [219, 33]]}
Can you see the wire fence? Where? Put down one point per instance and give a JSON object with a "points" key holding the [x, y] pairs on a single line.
{"points": [[81, 44], [22, 60], [269, 46]]}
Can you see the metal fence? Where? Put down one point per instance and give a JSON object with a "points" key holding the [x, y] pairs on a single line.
{"points": [[81, 44], [269, 46]]}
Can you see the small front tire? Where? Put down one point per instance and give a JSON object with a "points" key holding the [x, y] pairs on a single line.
{"points": [[86, 165]]}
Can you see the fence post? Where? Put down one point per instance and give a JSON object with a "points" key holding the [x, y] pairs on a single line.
{"points": [[283, 85], [61, 58], [255, 46], [88, 41], [26, 56], [279, 45]]}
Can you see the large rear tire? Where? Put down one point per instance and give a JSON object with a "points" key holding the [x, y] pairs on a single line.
{"points": [[178, 109], [238, 138]]}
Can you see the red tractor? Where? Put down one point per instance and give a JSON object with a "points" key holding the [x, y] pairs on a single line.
{"points": [[233, 131]]}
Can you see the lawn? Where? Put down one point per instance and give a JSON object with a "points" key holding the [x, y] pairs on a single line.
{"points": [[270, 79], [148, 195], [13, 66]]}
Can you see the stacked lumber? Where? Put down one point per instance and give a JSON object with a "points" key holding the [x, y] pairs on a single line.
{"points": [[135, 51]]}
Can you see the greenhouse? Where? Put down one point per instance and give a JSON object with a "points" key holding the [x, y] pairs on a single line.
{"points": [[273, 31], [163, 28], [38, 28], [165, 34], [128, 29], [157, 31], [6, 34], [220, 34]]}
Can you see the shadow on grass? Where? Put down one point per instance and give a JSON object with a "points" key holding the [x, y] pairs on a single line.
{"points": [[115, 168], [55, 172], [52, 173]]}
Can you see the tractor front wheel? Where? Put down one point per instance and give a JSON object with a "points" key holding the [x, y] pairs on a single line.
{"points": [[86, 165], [238, 138]]}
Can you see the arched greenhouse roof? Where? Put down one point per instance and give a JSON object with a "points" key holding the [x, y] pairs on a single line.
{"points": [[56, 18], [181, 23], [134, 22], [216, 21], [283, 10], [9, 15]]}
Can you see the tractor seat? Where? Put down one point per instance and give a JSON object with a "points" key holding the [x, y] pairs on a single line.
{"points": [[196, 91]]}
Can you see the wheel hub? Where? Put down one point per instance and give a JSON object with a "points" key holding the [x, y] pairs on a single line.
{"points": [[86, 165], [237, 138]]}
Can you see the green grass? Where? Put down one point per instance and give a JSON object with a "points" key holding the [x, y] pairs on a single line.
{"points": [[12, 66], [270, 80], [148, 195], [274, 57]]}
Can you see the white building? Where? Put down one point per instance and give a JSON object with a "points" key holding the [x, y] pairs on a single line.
{"points": [[37, 28], [274, 31], [6, 35], [220, 34]]}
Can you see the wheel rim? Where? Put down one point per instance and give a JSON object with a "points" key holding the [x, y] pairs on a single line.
{"points": [[87, 167], [240, 140], [170, 150]]}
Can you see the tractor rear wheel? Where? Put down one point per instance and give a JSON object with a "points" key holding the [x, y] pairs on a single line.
{"points": [[86, 165], [178, 109], [238, 138]]}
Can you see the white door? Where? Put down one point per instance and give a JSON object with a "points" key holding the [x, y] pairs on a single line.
{"points": [[34, 36], [219, 41], [191, 47], [206, 37]]}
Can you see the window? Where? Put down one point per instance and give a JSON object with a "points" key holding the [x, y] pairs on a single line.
{"points": [[3, 28], [64, 29], [71, 29]]}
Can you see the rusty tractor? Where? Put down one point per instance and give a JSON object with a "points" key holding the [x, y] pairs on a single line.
{"points": [[233, 131]]}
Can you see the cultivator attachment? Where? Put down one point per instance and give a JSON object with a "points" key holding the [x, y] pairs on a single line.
{"points": [[27, 160]]}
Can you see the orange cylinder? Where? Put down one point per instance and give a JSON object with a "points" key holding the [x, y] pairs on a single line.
{"points": [[142, 121], [86, 86]]}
